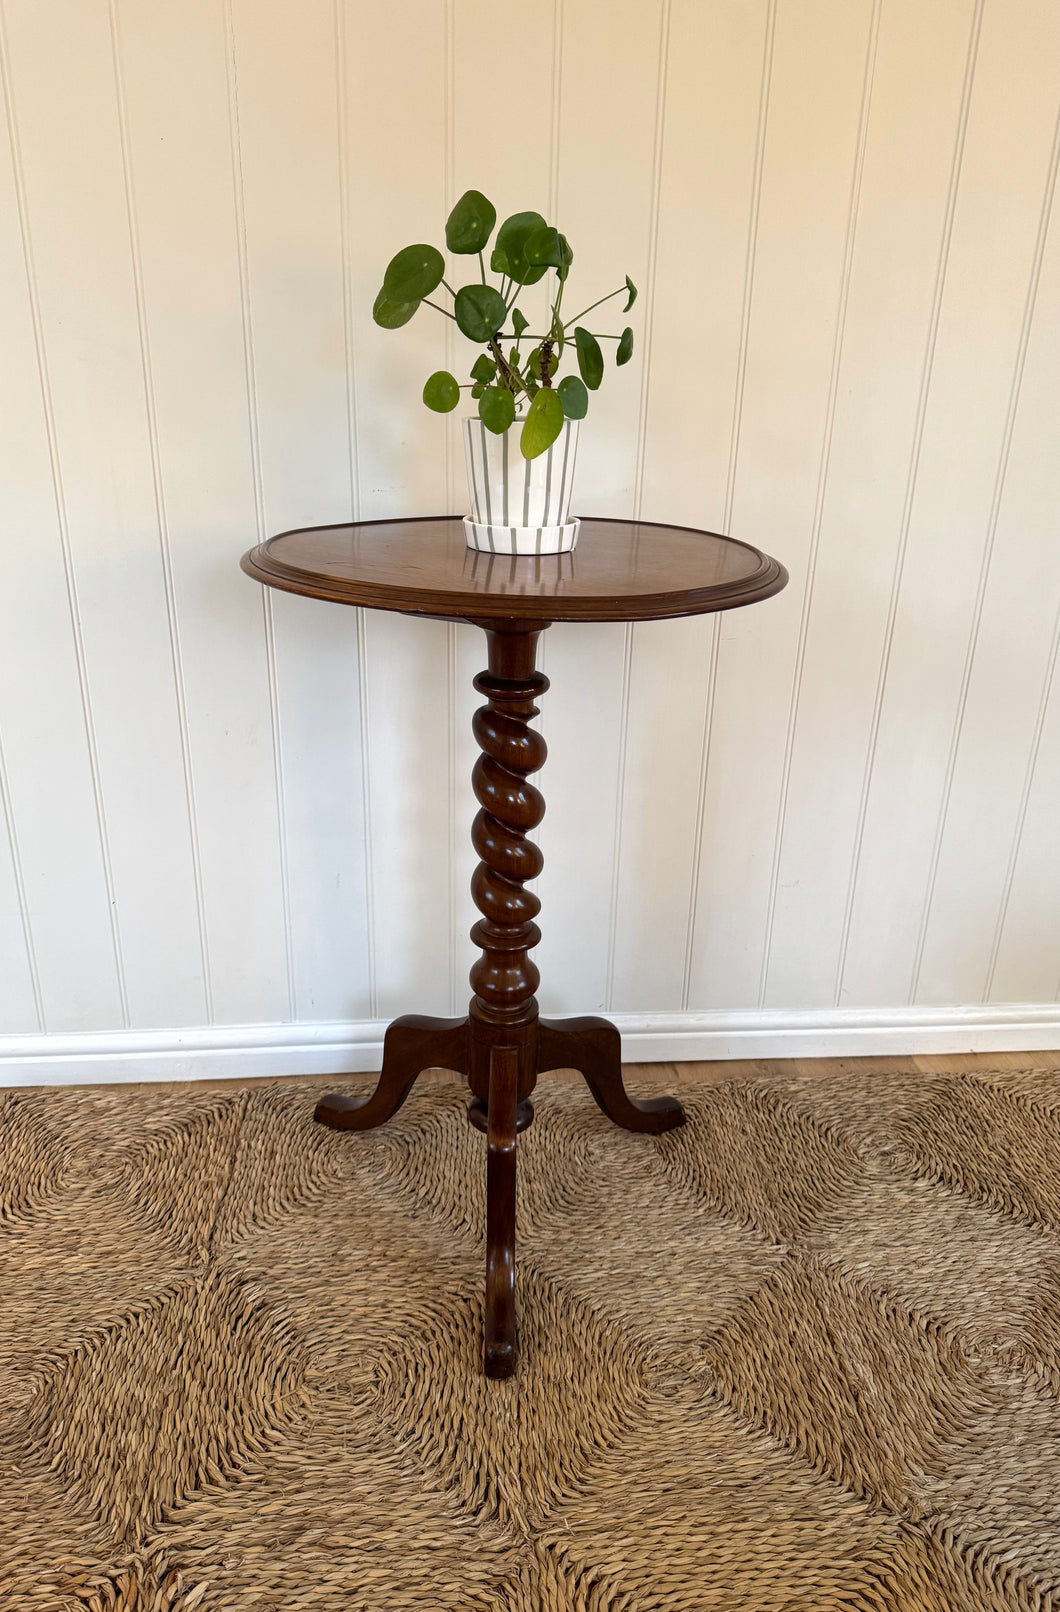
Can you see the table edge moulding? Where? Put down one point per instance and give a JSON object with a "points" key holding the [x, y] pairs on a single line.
{"points": [[478, 586], [620, 571]]}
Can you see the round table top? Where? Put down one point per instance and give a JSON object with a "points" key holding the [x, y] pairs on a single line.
{"points": [[620, 570]]}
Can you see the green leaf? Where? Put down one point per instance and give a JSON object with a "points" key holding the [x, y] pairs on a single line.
{"points": [[559, 336], [566, 258], [390, 314], [484, 368], [544, 246], [574, 397], [479, 311], [519, 323], [543, 423], [470, 224], [625, 346], [496, 409], [590, 358], [477, 391], [441, 391], [413, 273], [509, 254], [632, 297]]}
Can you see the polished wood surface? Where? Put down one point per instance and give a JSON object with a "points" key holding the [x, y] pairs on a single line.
{"points": [[504, 1007], [593, 1047], [498, 1352], [619, 571], [411, 1044]]}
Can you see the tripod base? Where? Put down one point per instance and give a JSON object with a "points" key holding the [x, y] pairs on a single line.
{"points": [[513, 1059]]}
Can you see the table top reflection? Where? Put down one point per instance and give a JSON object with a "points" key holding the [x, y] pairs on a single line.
{"points": [[621, 570]]}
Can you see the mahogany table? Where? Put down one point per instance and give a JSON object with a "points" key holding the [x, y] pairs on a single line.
{"points": [[620, 571]]}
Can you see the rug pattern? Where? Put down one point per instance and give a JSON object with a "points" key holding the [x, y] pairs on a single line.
{"points": [[798, 1355]]}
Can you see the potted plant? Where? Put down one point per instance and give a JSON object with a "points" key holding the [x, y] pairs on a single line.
{"points": [[520, 496]]}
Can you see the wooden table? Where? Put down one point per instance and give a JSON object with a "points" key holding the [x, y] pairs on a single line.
{"points": [[620, 571]]}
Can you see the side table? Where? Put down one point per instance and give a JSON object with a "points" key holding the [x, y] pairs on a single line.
{"points": [[620, 571]]}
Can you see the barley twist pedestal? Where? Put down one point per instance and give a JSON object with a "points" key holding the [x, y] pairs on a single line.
{"points": [[620, 571]]}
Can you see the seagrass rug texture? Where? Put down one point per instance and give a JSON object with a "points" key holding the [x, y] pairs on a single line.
{"points": [[801, 1354]]}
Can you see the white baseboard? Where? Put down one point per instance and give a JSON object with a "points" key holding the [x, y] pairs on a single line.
{"points": [[248, 1050]]}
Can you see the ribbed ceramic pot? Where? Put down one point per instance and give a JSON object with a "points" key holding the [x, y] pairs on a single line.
{"points": [[519, 506]]}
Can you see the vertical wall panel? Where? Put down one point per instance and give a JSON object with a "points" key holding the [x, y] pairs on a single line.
{"points": [[714, 84], [323, 760], [515, 174], [71, 153], [693, 325], [1003, 177], [583, 716], [912, 122], [615, 72], [288, 90], [815, 100], [1000, 714], [20, 1005], [177, 94], [396, 160], [50, 787], [716, 101], [668, 690], [1028, 960]]}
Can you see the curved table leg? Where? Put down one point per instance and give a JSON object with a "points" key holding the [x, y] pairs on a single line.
{"points": [[594, 1047], [500, 1354], [411, 1045]]}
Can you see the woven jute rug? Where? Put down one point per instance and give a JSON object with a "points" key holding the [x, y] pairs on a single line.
{"points": [[801, 1354]]}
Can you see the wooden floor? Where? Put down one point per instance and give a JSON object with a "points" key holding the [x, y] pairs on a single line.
{"points": [[951, 1062], [755, 1068]]}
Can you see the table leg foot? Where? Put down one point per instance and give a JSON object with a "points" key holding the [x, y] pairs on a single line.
{"points": [[500, 1348], [594, 1048], [411, 1045]]}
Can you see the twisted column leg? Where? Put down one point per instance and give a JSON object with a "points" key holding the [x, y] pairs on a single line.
{"points": [[503, 1009], [503, 1013]]}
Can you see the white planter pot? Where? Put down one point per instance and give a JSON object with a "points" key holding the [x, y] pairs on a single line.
{"points": [[519, 506]]}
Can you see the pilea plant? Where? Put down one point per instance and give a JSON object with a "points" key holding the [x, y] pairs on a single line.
{"points": [[506, 382]]}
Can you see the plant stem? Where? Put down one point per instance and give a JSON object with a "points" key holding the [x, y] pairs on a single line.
{"points": [[511, 378], [438, 309], [448, 287], [482, 268], [518, 288], [546, 360], [593, 305]]}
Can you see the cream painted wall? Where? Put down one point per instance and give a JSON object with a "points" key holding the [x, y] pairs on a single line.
{"points": [[228, 809]]}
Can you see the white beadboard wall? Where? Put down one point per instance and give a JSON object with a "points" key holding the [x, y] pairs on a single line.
{"points": [[234, 830]]}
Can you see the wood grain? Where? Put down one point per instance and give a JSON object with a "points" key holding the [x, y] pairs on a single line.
{"points": [[620, 571]]}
